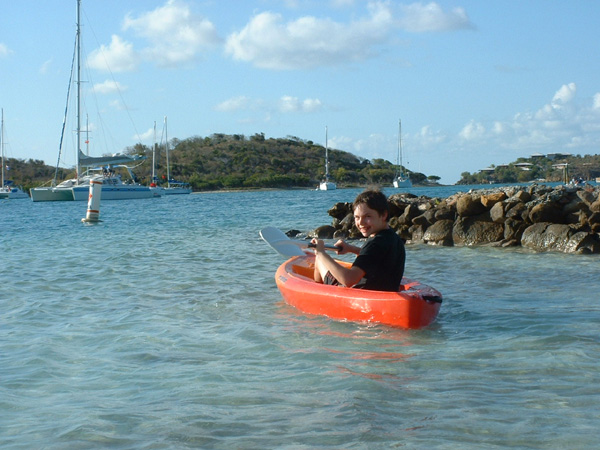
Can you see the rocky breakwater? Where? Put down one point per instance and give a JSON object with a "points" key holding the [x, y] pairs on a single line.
{"points": [[536, 217]]}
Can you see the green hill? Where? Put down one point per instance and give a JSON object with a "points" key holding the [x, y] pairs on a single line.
{"points": [[236, 161]]}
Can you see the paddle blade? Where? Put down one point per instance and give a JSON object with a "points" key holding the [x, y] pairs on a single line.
{"points": [[278, 240]]}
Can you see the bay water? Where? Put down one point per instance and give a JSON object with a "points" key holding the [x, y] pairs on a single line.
{"points": [[161, 328]]}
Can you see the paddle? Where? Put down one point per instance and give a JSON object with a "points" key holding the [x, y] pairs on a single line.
{"points": [[280, 242]]}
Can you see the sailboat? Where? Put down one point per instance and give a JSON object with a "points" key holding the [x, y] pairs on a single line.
{"points": [[7, 189], [327, 185], [157, 190], [113, 187], [173, 186], [401, 180]]}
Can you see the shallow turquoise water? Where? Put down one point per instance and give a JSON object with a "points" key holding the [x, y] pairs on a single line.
{"points": [[161, 327]]}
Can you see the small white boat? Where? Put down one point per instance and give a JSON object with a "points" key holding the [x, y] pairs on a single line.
{"points": [[326, 185], [174, 187], [7, 189], [401, 180]]}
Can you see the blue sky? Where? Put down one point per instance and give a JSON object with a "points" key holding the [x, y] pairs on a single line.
{"points": [[474, 82]]}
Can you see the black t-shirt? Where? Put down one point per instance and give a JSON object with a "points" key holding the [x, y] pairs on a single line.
{"points": [[382, 259]]}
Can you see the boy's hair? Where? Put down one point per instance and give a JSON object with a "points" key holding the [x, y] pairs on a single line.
{"points": [[375, 200]]}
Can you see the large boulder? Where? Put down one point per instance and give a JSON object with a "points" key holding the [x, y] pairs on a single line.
{"points": [[559, 237], [323, 232], [469, 205], [440, 233], [489, 200], [546, 212], [340, 210], [467, 231]]}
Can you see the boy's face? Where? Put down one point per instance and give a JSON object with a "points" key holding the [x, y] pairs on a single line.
{"points": [[368, 221]]}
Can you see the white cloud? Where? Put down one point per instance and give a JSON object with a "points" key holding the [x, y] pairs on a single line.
{"points": [[234, 104], [419, 17], [271, 43], [148, 135], [472, 131], [119, 56], [4, 50], [286, 104], [597, 100], [560, 124], [174, 33], [289, 104], [108, 87], [564, 95], [44, 67]]}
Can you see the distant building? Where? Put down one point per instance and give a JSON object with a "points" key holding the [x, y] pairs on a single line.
{"points": [[553, 156], [537, 156], [524, 166]]}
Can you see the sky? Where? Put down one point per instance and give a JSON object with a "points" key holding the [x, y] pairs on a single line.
{"points": [[473, 82]]}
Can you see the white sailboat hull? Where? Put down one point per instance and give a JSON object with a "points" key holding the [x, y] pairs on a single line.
{"points": [[327, 186], [12, 193], [401, 182], [118, 192], [51, 194], [177, 190]]}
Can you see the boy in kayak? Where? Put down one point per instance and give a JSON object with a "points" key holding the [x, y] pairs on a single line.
{"points": [[380, 262]]}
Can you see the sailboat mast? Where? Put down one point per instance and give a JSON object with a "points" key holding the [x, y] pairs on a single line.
{"points": [[2, 146], [326, 156], [167, 151], [399, 159], [154, 155], [78, 81]]}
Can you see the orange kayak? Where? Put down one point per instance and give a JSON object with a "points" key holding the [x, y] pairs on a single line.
{"points": [[414, 306]]}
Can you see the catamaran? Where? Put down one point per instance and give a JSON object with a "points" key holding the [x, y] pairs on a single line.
{"points": [[77, 188]]}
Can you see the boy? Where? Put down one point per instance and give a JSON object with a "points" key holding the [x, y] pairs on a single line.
{"points": [[380, 262]]}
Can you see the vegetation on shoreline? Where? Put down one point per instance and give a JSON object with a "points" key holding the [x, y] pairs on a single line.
{"points": [[223, 161], [540, 167], [236, 161]]}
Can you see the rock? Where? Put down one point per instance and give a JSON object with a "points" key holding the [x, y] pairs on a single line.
{"points": [[469, 205], [440, 233], [546, 212], [416, 233], [518, 211], [586, 197], [497, 213], [410, 212], [340, 210], [445, 212], [559, 237], [522, 196], [513, 230], [492, 199], [323, 232], [467, 231], [538, 217]]}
